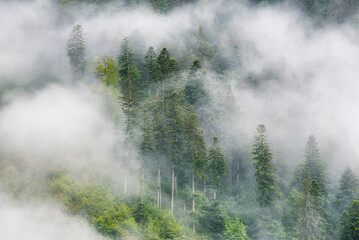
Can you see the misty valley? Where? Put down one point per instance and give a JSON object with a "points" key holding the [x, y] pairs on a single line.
{"points": [[179, 119]]}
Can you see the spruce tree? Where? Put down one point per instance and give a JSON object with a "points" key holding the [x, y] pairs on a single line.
{"points": [[129, 84], [350, 222], [150, 66], [314, 166], [348, 190], [217, 167], [129, 88], [311, 220], [268, 191], [76, 51], [196, 152], [194, 89], [175, 115]]}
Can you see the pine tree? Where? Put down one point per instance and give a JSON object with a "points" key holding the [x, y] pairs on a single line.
{"points": [[348, 190], [314, 166], [150, 66], [129, 86], [217, 167], [146, 146], [350, 222], [310, 221], [175, 134], [268, 191], [194, 89], [196, 152], [76, 51]]}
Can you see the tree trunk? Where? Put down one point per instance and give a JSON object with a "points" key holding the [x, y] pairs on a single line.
{"points": [[193, 202], [214, 194], [159, 193], [204, 187], [173, 188], [143, 185], [163, 95], [237, 181], [125, 187], [125, 179]]}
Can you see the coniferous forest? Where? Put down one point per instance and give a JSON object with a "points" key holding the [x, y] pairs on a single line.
{"points": [[179, 119]]}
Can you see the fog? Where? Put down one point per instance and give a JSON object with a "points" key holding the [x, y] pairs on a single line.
{"points": [[308, 86]]}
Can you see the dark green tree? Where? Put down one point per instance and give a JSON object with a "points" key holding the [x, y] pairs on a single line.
{"points": [[194, 89], [175, 115], [196, 152], [150, 66], [213, 220], [129, 84], [314, 166], [311, 222], [348, 190], [76, 51], [217, 167], [268, 191], [350, 222], [130, 81]]}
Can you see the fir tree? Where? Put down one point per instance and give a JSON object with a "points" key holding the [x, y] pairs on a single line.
{"points": [[268, 191], [129, 86], [348, 190], [76, 51], [350, 222], [310, 221], [314, 165], [175, 134], [217, 167], [150, 66]]}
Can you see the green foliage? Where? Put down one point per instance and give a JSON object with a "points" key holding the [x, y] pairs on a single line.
{"points": [[350, 222], [213, 220], [76, 51], [268, 191], [196, 149], [109, 215], [175, 127], [311, 221], [235, 230], [291, 214], [348, 190], [106, 71], [217, 165], [150, 66], [130, 85]]}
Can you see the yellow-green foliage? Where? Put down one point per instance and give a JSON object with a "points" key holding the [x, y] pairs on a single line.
{"points": [[110, 215]]}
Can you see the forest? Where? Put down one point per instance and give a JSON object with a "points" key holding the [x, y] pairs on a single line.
{"points": [[179, 119]]}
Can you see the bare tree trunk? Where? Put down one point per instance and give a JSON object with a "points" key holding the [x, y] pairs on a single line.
{"points": [[125, 179], [159, 187], [163, 95], [204, 187], [143, 185], [214, 194], [125, 187], [173, 188], [193, 202], [237, 180]]}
